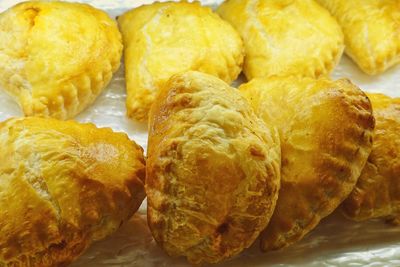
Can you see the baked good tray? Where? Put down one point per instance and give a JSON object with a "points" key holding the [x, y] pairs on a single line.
{"points": [[335, 242]]}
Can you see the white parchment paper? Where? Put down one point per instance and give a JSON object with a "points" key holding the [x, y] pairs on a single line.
{"points": [[335, 242]]}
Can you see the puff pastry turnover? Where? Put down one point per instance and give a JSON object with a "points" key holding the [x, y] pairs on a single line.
{"points": [[62, 186], [56, 57], [377, 193], [371, 30], [212, 171], [326, 136], [163, 39], [285, 37]]}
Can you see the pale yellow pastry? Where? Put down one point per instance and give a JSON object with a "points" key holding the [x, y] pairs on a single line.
{"points": [[377, 193], [371, 31], [163, 39], [213, 169], [285, 37], [56, 57], [63, 185], [326, 136]]}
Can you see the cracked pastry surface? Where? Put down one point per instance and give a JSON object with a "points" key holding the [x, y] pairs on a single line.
{"points": [[377, 193], [371, 30], [163, 39], [213, 169], [63, 185], [57, 57], [325, 130], [285, 37]]}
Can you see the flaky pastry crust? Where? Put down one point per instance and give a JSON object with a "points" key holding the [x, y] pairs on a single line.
{"points": [[377, 193], [285, 37], [371, 31], [326, 136], [57, 57], [163, 39], [63, 185], [212, 170]]}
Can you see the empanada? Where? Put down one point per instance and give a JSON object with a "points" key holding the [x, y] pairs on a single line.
{"points": [[326, 136], [63, 185], [56, 57], [377, 193], [163, 39], [285, 37], [371, 31], [213, 169]]}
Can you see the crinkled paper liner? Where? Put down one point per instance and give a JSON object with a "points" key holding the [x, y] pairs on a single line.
{"points": [[335, 242]]}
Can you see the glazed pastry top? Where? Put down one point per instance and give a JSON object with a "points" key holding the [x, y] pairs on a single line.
{"points": [[62, 186], [212, 171], [56, 57], [371, 30], [285, 37], [163, 39], [326, 136], [377, 193]]}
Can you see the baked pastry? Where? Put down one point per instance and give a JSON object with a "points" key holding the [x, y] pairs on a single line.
{"points": [[56, 57], [163, 39], [285, 37], [326, 136], [370, 30], [377, 193], [63, 185], [212, 169]]}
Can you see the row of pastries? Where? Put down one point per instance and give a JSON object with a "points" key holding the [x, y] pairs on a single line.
{"points": [[224, 166], [56, 58]]}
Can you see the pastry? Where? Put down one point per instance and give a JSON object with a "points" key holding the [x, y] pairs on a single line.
{"points": [[163, 39], [285, 37], [212, 169], [377, 193], [63, 185], [370, 30], [325, 129], [56, 57]]}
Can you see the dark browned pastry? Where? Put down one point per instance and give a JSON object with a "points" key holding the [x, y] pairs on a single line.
{"points": [[325, 129], [212, 169], [63, 185], [377, 193]]}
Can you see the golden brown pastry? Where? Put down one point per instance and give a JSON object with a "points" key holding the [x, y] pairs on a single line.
{"points": [[285, 37], [377, 193], [326, 136], [163, 39], [212, 169], [56, 57], [63, 185], [371, 31]]}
